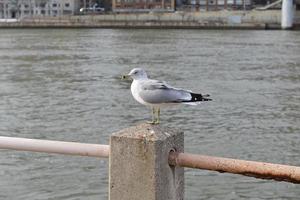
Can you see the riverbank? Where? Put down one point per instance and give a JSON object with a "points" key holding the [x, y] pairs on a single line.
{"points": [[269, 19]]}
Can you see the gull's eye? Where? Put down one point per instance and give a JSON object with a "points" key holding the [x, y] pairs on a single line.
{"points": [[135, 72]]}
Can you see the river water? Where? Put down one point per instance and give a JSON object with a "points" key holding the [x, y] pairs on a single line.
{"points": [[63, 84]]}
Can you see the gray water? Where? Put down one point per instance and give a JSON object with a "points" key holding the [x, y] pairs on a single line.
{"points": [[63, 84]]}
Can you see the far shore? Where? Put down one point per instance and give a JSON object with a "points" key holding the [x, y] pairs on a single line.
{"points": [[254, 19]]}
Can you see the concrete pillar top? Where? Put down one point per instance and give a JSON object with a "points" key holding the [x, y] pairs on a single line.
{"points": [[139, 167], [147, 131]]}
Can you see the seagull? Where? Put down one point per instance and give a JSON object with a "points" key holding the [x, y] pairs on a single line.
{"points": [[157, 94]]}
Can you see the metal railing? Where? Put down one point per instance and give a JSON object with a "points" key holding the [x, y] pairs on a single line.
{"points": [[261, 170], [58, 147], [247, 168]]}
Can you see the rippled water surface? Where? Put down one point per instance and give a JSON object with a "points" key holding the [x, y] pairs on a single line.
{"points": [[61, 84]]}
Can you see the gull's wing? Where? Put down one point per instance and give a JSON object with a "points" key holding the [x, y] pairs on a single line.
{"points": [[157, 92]]}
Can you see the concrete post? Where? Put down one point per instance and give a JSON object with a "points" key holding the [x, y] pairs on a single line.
{"points": [[138, 164], [287, 13]]}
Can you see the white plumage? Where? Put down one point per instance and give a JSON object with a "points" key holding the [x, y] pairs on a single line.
{"points": [[156, 93]]}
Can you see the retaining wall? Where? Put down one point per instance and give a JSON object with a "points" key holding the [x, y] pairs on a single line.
{"points": [[212, 19]]}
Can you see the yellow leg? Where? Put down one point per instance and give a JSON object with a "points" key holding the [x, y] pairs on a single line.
{"points": [[157, 121], [153, 116]]}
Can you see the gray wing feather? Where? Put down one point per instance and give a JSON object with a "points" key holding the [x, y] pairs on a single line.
{"points": [[153, 91], [154, 84]]}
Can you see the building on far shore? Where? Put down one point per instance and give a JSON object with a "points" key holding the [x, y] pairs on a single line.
{"points": [[29, 8], [142, 5], [10, 9], [180, 5], [214, 5]]}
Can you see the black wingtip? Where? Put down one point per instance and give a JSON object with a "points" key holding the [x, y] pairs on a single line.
{"points": [[200, 97]]}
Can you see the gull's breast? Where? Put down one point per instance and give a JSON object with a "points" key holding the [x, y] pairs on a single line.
{"points": [[135, 90]]}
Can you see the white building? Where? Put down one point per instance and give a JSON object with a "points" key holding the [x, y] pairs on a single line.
{"points": [[63, 7], [24, 8], [8, 9]]}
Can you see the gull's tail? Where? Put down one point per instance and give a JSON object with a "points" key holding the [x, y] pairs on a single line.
{"points": [[197, 98]]}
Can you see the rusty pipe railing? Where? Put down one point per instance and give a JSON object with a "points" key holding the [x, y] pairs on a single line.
{"points": [[59, 147], [247, 168]]}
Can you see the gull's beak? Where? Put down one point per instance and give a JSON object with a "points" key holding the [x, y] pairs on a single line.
{"points": [[125, 77]]}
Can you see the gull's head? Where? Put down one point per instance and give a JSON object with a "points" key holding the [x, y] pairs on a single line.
{"points": [[137, 74]]}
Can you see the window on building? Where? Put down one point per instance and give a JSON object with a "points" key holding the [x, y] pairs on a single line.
{"points": [[67, 5], [54, 5]]}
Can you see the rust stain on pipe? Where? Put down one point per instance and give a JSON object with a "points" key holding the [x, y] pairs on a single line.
{"points": [[243, 167]]}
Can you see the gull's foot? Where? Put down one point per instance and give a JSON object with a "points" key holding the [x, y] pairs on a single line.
{"points": [[153, 122], [150, 122]]}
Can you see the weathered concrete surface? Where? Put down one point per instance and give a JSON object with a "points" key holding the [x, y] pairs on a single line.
{"points": [[214, 19], [138, 164]]}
